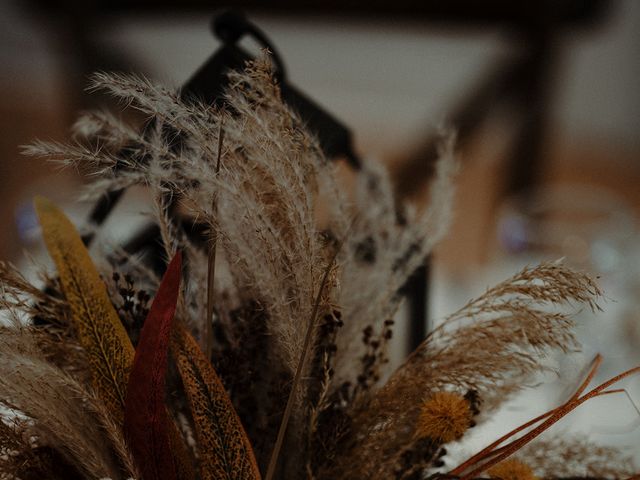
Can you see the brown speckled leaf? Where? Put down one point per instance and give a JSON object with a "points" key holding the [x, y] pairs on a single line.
{"points": [[97, 325], [224, 449]]}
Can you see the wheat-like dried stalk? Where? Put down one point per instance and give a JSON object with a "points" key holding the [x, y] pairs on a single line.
{"points": [[505, 334]]}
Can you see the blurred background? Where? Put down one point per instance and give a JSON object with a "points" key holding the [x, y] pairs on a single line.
{"points": [[544, 96]]}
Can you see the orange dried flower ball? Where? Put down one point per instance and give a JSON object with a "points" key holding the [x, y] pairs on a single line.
{"points": [[445, 417], [512, 469]]}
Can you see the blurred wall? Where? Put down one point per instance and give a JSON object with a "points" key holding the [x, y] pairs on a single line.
{"points": [[391, 82]]}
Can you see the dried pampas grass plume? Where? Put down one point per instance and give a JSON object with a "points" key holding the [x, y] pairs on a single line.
{"points": [[554, 456], [445, 417], [504, 336], [66, 415], [386, 245]]}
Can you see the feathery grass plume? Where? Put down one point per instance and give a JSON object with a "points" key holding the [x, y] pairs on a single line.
{"points": [[491, 346], [106, 130], [64, 413], [296, 385], [386, 244], [558, 456], [273, 184], [22, 297], [512, 469]]}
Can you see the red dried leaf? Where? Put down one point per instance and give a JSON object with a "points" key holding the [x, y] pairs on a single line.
{"points": [[146, 422]]}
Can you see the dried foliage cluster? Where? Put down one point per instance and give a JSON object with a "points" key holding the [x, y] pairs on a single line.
{"points": [[262, 352]]}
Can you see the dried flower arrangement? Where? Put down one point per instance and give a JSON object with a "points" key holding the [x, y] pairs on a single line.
{"points": [[263, 353]]}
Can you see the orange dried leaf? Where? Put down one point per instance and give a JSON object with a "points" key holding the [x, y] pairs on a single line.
{"points": [[224, 449]]}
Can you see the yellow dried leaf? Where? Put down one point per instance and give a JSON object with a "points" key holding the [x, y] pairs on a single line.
{"points": [[97, 325], [224, 449]]}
